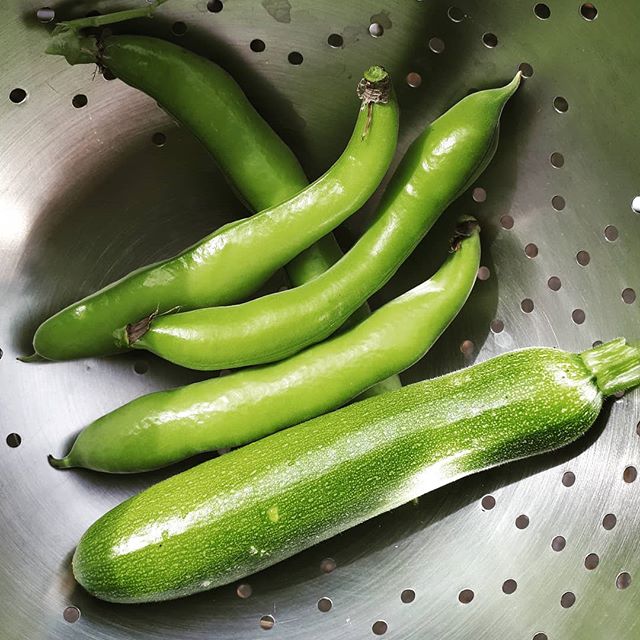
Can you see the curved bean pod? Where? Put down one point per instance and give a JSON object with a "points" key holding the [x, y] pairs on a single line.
{"points": [[205, 99], [235, 260], [438, 166], [165, 427]]}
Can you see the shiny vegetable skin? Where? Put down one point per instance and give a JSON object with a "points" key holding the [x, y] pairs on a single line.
{"points": [[234, 261], [255, 160], [438, 166], [208, 102], [165, 427], [260, 504]]}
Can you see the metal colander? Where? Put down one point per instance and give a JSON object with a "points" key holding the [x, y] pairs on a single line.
{"points": [[95, 180]]}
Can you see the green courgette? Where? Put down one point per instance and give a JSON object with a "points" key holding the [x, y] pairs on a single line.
{"points": [[255, 506]]}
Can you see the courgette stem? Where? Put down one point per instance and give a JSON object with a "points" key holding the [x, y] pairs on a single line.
{"points": [[615, 365]]}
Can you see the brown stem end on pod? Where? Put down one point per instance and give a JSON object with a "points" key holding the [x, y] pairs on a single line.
{"points": [[465, 228], [136, 330], [374, 88]]}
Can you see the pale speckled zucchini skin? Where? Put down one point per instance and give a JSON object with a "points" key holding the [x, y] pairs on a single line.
{"points": [[255, 506]]}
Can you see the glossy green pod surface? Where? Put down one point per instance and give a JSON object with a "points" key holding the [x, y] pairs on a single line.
{"points": [[207, 101], [232, 262], [165, 427], [260, 504], [437, 167]]}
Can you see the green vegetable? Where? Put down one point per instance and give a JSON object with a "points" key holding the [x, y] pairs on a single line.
{"points": [[257, 505], [440, 164], [207, 101], [232, 262], [162, 428]]}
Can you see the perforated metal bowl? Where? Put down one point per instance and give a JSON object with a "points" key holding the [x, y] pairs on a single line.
{"points": [[96, 180]]}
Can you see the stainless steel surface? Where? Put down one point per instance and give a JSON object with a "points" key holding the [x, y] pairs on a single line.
{"points": [[85, 195]]}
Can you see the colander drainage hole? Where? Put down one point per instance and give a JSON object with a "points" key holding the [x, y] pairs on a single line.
{"points": [[527, 305], [257, 45], [413, 79], [244, 591], [542, 11], [325, 605], [609, 521], [635, 204], [159, 139], [328, 565], [588, 11], [558, 543], [79, 101], [14, 440], [488, 503], [71, 614], [531, 250], [522, 521], [379, 627], [335, 40], [507, 222], [295, 58], [567, 600], [18, 96], [578, 316], [141, 367], [436, 45], [591, 561], [630, 475], [568, 478], [490, 40], [554, 283], [408, 596], [267, 622], [629, 296], [509, 586], [456, 14], [638, 429], [1, 354], [467, 348], [46, 14], [583, 258], [479, 194], [179, 28], [540, 636], [556, 159], [215, 6], [466, 596], [560, 104], [558, 203], [611, 233], [484, 273], [376, 30], [497, 326], [623, 580], [526, 70]]}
